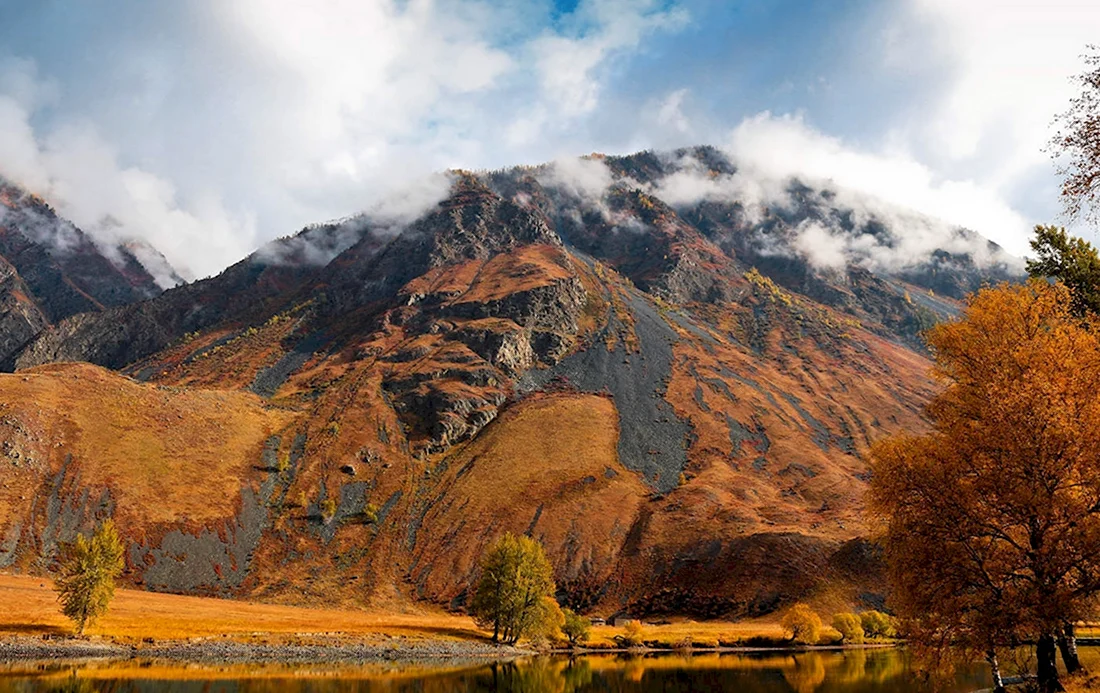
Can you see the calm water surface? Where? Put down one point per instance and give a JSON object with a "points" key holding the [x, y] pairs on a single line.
{"points": [[862, 671]]}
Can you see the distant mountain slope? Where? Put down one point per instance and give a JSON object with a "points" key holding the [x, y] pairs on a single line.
{"points": [[52, 270], [664, 370]]}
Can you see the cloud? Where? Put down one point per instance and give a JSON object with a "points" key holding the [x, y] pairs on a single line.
{"points": [[776, 148], [566, 63], [259, 117], [852, 195], [318, 244], [824, 249], [585, 178], [671, 113], [262, 116], [78, 172], [1010, 69]]}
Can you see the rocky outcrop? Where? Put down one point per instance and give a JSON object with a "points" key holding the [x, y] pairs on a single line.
{"points": [[678, 413]]}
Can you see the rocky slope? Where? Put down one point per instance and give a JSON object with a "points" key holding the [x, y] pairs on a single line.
{"points": [[51, 270], [667, 378]]}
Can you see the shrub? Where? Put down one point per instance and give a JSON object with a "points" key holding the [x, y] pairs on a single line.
{"points": [[514, 595], [632, 634], [850, 628], [802, 624], [370, 513], [877, 624], [89, 567], [576, 628]]}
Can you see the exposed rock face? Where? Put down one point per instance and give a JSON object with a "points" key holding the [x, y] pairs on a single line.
{"points": [[50, 270], [671, 397]]}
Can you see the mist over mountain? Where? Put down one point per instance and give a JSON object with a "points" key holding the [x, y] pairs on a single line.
{"points": [[666, 367]]}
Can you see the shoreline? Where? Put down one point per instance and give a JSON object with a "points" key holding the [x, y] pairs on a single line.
{"points": [[25, 648]]}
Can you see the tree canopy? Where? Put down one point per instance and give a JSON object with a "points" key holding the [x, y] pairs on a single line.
{"points": [[89, 566], [1076, 145], [514, 595], [992, 519], [1073, 261]]}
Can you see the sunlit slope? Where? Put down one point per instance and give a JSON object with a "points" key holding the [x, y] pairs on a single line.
{"points": [[547, 467], [80, 443], [680, 417]]}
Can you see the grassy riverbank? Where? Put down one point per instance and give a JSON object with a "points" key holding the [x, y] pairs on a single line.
{"points": [[139, 618]]}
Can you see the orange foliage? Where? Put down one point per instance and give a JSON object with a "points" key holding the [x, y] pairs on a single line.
{"points": [[992, 520]]}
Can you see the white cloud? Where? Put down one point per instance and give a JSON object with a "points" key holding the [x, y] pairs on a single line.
{"points": [[587, 178], [566, 63], [271, 114], [824, 249], [778, 147], [1011, 64], [1003, 73], [78, 172], [298, 112], [671, 113]]}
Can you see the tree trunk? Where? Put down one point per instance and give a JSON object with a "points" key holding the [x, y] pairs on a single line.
{"points": [[1067, 643], [995, 672], [1046, 653]]}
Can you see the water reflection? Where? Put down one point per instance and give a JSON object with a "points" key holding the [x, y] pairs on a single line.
{"points": [[857, 671]]}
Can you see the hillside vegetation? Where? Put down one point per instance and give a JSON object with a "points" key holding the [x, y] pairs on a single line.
{"points": [[668, 395]]}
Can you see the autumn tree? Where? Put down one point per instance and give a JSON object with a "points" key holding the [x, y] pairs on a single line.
{"points": [[1076, 144], [877, 624], [802, 624], [89, 566], [850, 628], [1073, 261], [576, 628], [514, 594], [992, 519]]}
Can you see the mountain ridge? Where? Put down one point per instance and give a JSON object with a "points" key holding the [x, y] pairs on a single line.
{"points": [[676, 396]]}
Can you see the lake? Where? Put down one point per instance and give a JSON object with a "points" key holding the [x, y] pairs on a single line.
{"points": [[862, 671]]}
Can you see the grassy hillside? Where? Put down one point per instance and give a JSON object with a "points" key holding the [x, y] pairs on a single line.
{"points": [[80, 442]]}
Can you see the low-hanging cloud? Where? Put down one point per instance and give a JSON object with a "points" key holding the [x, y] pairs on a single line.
{"points": [[318, 244], [778, 148], [854, 219], [270, 116], [259, 117], [78, 172]]}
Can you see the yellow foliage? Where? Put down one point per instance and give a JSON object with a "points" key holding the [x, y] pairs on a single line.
{"points": [[802, 624]]}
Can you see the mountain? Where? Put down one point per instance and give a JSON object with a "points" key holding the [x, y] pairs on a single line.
{"points": [[665, 368], [51, 270]]}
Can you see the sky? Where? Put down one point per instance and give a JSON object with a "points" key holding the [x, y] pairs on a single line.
{"points": [[208, 127]]}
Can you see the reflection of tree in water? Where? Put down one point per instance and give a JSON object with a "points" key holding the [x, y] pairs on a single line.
{"points": [[886, 666], [73, 684], [807, 673], [852, 671], [540, 676]]}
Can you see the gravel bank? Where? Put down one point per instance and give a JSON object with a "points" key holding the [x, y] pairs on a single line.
{"points": [[223, 651]]}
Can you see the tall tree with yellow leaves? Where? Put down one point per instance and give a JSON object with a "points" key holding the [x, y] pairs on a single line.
{"points": [[992, 519], [89, 566]]}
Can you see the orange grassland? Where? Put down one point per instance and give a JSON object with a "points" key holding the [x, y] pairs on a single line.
{"points": [[30, 608]]}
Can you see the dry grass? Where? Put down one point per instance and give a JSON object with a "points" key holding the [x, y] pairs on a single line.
{"points": [[30, 607], [522, 269], [1077, 685], [153, 446], [542, 467], [705, 633]]}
